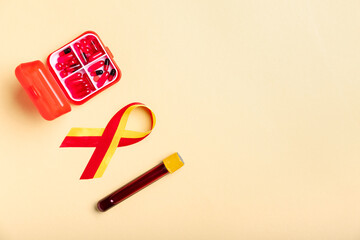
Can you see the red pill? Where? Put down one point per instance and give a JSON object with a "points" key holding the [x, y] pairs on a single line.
{"points": [[77, 85], [87, 80], [86, 50], [95, 66], [93, 43], [74, 81], [102, 79], [73, 77], [73, 62], [107, 63], [66, 57], [59, 66], [112, 74], [83, 56], [63, 73], [85, 93], [82, 94], [83, 42], [73, 68], [96, 73], [95, 56], [67, 50]]}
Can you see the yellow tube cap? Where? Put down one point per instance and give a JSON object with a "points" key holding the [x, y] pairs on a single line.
{"points": [[173, 162]]}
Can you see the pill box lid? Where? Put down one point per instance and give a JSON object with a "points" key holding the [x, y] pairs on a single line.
{"points": [[42, 89]]}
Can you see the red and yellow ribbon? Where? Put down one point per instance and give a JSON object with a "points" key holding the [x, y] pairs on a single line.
{"points": [[106, 140]]}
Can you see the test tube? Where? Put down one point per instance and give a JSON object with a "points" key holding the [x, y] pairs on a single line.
{"points": [[168, 165]]}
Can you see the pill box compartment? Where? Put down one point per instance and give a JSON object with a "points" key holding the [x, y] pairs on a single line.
{"points": [[75, 58], [69, 75]]}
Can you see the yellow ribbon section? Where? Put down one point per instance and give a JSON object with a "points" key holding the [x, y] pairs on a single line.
{"points": [[97, 132]]}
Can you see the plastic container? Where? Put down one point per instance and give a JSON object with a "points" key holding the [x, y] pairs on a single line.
{"points": [[74, 73]]}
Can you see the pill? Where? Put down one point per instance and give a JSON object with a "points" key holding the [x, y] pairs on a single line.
{"points": [[83, 56], [95, 56], [96, 73], [59, 66], [102, 79], [107, 63], [67, 50], [81, 94], [70, 83], [74, 81], [73, 68], [87, 80], [86, 50], [80, 88], [63, 73], [95, 66], [73, 77], [93, 42], [84, 93], [73, 61], [77, 85], [83, 42], [112, 74], [66, 57]]}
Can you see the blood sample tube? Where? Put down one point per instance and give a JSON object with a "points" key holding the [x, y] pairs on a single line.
{"points": [[96, 66], [168, 165]]}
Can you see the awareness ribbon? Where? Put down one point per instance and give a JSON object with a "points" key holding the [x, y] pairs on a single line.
{"points": [[106, 140]]}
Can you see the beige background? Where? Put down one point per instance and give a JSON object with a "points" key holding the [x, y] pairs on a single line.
{"points": [[261, 98]]}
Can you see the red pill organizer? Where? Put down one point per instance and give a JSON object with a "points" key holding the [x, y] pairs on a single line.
{"points": [[74, 73]]}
